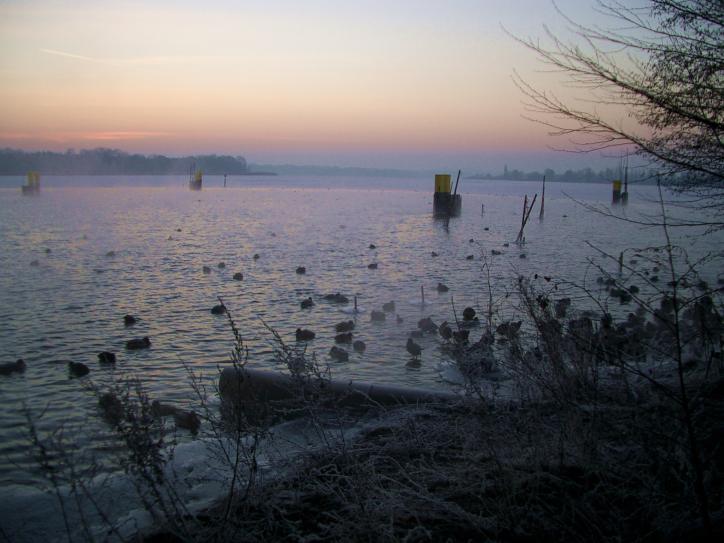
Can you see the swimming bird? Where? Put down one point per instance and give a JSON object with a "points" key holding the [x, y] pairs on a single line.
{"points": [[106, 357], [218, 309], [413, 348], [304, 334], [135, 344], [301, 270], [345, 326], [442, 288], [343, 338], [377, 316], [372, 266], [340, 355], [129, 320], [337, 298], [13, 367], [389, 307], [427, 325], [238, 276], [306, 304], [78, 369], [359, 346], [468, 313]]}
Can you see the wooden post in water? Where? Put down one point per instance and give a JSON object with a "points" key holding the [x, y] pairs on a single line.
{"points": [[542, 199], [422, 291], [522, 219], [620, 263], [526, 216], [355, 304]]}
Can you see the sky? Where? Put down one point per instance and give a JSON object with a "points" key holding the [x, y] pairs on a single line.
{"points": [[385, 84]]}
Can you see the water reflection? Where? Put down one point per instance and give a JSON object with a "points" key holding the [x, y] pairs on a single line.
{"points": [[63, 309]]}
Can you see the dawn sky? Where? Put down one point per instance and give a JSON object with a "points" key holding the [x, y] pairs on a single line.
{"points": [[408, 84]]}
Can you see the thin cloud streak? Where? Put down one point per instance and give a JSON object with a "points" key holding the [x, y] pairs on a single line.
{"points": [[148, 61]]}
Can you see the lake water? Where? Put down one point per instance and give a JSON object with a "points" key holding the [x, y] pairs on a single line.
{"points": [[70, 306]]}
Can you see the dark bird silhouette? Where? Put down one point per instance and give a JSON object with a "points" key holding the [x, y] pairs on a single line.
{"points": [[336, 298], [129, 320], [346, 326], [218, 309], [12, 367], [359, 346], [304, 334], [413, 348], [301, 270], [135, 344], [106, 357], [343, 338], [78, 369], [306, 304], [340, 355], [442, 288], [427, 325]]}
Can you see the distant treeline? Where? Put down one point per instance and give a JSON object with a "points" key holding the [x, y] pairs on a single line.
{"points": [[113, 162], [350, 171], [585, 175]]}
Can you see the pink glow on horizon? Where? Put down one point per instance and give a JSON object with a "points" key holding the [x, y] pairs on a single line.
{"points": [[415, 78]]}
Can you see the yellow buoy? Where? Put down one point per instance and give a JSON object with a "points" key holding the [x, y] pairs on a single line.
{"points": [[616, 197], [442, 182]]}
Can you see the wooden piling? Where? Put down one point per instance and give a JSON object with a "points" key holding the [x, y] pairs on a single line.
{"points": [[526, 215], [542, 199], [422, 291]]}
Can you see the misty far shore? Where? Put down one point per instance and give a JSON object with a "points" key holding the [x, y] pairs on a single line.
{"points": [[102, 161]]}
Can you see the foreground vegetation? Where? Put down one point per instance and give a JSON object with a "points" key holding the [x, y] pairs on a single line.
{"points": [[609, 429]]}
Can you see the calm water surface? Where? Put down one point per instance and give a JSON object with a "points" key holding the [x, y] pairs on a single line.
{"points": [[71, 305]]}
